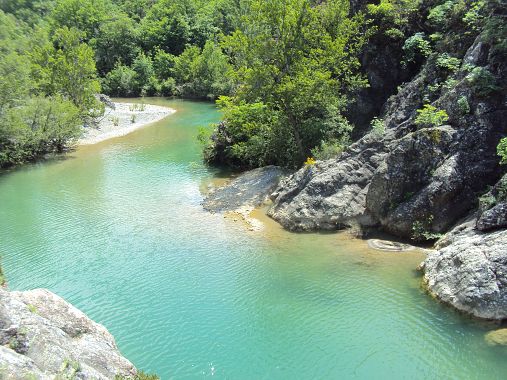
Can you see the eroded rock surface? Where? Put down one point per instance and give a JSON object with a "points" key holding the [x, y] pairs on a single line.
{"points": [[412, 174], [468, 270], [251, 188], [42, 336]]}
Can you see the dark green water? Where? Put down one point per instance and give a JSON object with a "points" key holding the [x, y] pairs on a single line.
{"points": [[118, 230]]}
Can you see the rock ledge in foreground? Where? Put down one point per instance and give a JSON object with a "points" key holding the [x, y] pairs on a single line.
{"points": [[44, 337]]}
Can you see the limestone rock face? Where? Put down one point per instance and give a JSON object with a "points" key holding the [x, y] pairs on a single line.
{"points": [[493, 218], [330, 194], [42, 337], [412, 175], [469, 271]]}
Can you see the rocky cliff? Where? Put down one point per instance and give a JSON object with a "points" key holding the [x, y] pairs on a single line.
{"points": [[411, 175], [418, 178], [44, 337]]}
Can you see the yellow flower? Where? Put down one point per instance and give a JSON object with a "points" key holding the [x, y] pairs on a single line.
{"points": [[310, 161]]}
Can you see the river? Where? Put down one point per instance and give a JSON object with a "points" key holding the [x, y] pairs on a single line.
{"points": [[117, 229]]}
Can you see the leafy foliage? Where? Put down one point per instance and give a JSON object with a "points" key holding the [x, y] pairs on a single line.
{"points": [[298, 62], [47, 89], [417, 47], [502, 150], [430, 116], [421, 230]]}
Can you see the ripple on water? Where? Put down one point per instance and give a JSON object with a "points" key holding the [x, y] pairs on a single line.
{"points": [[118, 230]]}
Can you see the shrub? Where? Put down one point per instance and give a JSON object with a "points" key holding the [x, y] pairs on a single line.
{"points": [[121, 81], [378, 127], [421, 230], [463, 105], [447, 63], [482, 81], [416, 47], [430, 116], [168, 87], [474, 17], [439, 16], [502, 150], [327, 150]]}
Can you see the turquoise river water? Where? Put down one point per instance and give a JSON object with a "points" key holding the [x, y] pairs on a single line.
{"points": [[118, 230]]}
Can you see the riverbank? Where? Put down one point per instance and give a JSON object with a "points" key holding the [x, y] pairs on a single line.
{"points": [[122, 120]]}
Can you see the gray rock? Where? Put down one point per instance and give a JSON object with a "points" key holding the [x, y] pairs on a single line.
{"points": [[494, 218], [42, 336], [412, 175], [330, 194], [251, 188], [469, 271], [106, 100]]}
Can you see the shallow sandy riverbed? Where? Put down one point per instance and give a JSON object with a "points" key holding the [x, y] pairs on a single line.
{"points": [[124, 119]]}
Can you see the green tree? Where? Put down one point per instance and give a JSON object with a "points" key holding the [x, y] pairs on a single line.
{"points": [[66, 66], [117, 40], [203, 74], [121, 81], [430, 116], [41, 125], [84, 15], [167, 26], [299, 59]]}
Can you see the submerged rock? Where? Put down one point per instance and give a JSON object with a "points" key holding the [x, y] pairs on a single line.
{"points": [[44, 337], [469, 271], [497, 337], [389, 246], [251, 188]]}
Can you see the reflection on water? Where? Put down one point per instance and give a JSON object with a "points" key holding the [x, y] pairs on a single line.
{"points": [[119, 231]]}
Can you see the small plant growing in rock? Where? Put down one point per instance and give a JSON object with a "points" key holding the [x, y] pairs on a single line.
{"points": [[327, 150], [447, 63], [115, 120], [430, 116], [482, 81], [2, 277], [435, 135], [378, 127], [415, 47], [421, 230], [463, 105], [69, 369], [13, 343], [502, 150], [32, 308], [139, 376], [487, 201]]}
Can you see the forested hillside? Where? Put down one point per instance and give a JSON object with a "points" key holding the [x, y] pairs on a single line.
{"points": [[295, 78]]}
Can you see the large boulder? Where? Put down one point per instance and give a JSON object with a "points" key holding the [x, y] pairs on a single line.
{"points": [[468, 270], [330, 194], [44, 337]]}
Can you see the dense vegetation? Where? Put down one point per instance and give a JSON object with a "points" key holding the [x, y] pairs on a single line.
{"points": [[290, 76], [47, 87]]}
